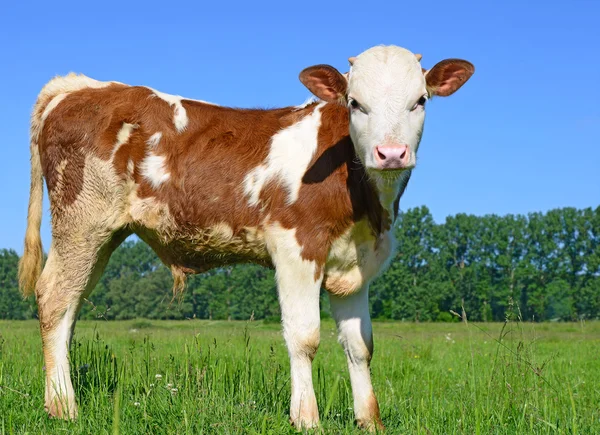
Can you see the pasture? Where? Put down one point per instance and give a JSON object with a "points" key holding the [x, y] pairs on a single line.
{"points": [[233, 377]]}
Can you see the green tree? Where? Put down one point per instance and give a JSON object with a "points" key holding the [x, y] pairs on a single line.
{"points": [[12, 304], [547, 264], [405, 290]]}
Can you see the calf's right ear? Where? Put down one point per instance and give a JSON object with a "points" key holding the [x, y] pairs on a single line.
{"points": [[325, 82]]}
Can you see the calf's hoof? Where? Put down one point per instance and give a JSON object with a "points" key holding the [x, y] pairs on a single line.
{"points": [[304, 422], [372, 426], [62, 410]]}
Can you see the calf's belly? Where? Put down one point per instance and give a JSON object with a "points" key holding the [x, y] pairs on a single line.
{"points": [[198, 250]]}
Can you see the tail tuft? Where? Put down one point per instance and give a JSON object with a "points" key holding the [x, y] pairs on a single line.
{"points": [[178, 282]]}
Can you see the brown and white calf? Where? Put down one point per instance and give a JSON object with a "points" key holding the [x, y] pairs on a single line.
{"points": [[311, 190]]}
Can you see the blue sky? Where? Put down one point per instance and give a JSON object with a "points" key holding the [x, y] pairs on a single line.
{"points": [[522, 135]]}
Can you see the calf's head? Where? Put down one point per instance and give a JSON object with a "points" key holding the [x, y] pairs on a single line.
{"points": [[386, 91]]}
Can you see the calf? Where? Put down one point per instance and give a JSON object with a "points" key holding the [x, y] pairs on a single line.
{"points": [[311, 190]]}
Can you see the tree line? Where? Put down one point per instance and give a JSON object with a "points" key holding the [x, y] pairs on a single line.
{"points": [[544, 266]]}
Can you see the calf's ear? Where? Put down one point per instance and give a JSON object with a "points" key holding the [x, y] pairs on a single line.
{"points": [[447, 76], [325, 82]]}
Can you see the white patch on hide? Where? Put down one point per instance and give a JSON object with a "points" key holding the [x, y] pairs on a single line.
{"points": [[153, 140], [123, 136], [154, 170], [291, 151]]}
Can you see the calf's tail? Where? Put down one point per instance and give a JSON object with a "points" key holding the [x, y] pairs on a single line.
{"points": [[30, 264]]}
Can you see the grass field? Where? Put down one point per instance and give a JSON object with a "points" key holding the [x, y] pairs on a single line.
{"points": [[233, 377]]}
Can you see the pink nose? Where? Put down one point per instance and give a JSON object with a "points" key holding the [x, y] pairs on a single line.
{"points": [[392, 156]]}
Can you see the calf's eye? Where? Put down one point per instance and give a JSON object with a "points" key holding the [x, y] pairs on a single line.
{"points": [[356, 105], [420, 103]]}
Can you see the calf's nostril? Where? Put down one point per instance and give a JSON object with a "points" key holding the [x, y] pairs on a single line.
{"points": [[380, 155]]}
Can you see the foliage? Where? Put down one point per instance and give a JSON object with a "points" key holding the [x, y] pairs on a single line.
{"points": [[12, 305], [548, 265]]}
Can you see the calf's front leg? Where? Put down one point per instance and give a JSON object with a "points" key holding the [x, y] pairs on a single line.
{"points": [[298, 284], [355, 334]]}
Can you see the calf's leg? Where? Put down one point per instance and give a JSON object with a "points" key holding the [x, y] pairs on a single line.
{"points": [[71, 272], [355, 334], [298, 284]]}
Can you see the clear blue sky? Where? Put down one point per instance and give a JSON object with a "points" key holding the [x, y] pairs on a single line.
{"points": [[523, 135]]}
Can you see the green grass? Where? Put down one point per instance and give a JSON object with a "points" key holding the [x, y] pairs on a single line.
{"points": [[233, 377]]}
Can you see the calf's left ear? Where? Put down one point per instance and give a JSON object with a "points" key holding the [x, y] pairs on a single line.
{"points": [[325, 82], [447, 76]]}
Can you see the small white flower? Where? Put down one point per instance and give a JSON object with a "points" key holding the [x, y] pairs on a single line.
{"points": [[151, 385], [136, 403], [169, 385], [158, 376]]}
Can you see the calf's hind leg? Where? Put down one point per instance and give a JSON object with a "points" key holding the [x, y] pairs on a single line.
{"points": [[70, 274]]}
